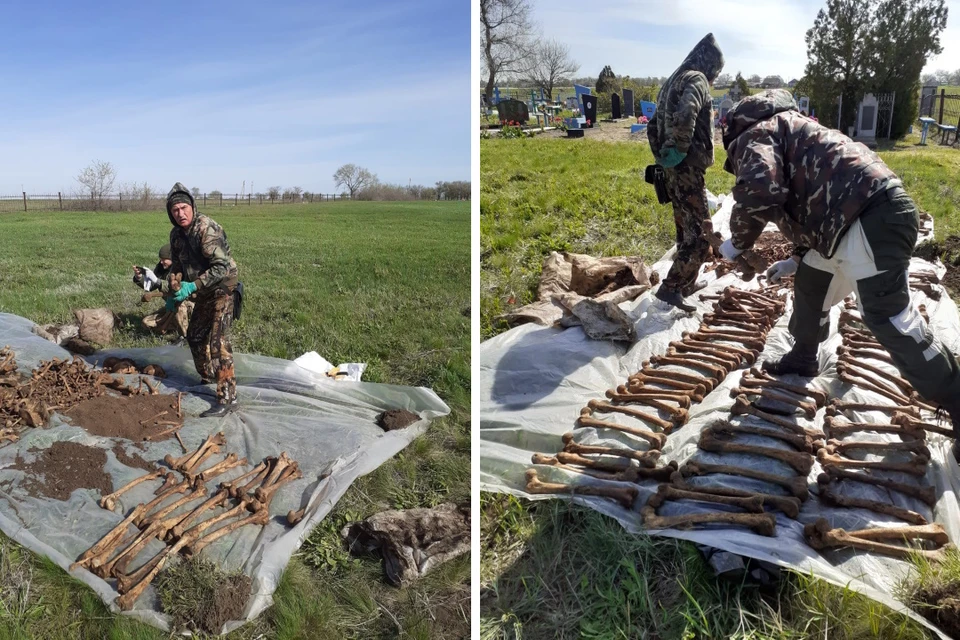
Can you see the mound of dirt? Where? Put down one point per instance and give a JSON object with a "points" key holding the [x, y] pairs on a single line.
{"points": [[65, 466], [135, 418], [132, 460], [947, 252], [396, 419], [199, 596], [940, 604]]}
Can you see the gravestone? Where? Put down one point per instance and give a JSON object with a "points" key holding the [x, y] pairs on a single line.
{"points": [[628, 105], [648, 109], [511, 110], [867, 119], [589, 108], [615, 106], [573, 103], [803, 103], [927, 100], [581, 91], [725, 107], [735, 93]]}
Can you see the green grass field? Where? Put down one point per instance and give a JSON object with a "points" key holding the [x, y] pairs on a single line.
{"points": [[549, 569], [376, 282]]}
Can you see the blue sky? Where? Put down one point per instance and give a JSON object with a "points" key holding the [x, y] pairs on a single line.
{"points": [[215, 93], [651, 37]]}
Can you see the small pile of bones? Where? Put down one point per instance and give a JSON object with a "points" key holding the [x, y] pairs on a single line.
{"points": [[730, 337], [901, 465], [55, 385], [252, 493]]}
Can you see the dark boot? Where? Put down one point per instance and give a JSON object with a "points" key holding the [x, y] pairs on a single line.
{"points": [[696, 286], [673, 298], [802, 360], [220, 410]]}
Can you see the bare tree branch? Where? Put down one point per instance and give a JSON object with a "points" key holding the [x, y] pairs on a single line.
{"points": [[505, 30], [549, 64]]}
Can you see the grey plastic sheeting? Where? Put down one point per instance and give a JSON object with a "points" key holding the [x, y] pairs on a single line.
{"points": [[325, 425], [532, 381]]}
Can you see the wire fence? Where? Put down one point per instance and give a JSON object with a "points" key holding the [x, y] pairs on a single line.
{"points": [[122, 202], [942, 107]]}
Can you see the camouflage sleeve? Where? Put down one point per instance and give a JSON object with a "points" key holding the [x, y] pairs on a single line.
{"points": [[653, 136], [680, 127], [760, 191], [214, 250]]}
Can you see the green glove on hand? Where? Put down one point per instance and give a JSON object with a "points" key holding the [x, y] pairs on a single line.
{"points": [[670, 157], [170, 305], [186, 289]]}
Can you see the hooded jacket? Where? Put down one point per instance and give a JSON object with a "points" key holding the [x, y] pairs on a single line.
{"points": [[811, 181], [684, 115], [200, 251]]}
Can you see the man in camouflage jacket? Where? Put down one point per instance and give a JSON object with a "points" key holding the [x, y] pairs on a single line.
{"points": [[854, 229], [201, 255], [681, 138]]}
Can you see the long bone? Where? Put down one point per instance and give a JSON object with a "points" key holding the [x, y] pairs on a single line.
{"points": [[678, 416], [733, 305], [802, 462], [218, 498], [763, 523], [109, 501], [758, 377], [910, 423], [916, 447], [742, 407], [641, 379], [185, 460], [796, 485], [110, 538], [837, 499], [865, 382], [623, 394], [757, 334], [820, 536], [746, 355], [926, 494], [865, 353], [229, 485], [723, 337], [727, 362], [265, 494], [809, 409], [716, 372], [720, 316], [181, 487], [552, 461], [905, 387], [917, 467], [624, 467], [191, 473], [840, 429], [801, 443], [708, 382], [169, 480], [231, 461], [836, 407], [655, 440], [933, 532], [258, 518], [237, 491], [293, 517], [759, 298], [789, 505], [743, 325], [281, 463], [624, 495], [665, 492], [645, 458]]}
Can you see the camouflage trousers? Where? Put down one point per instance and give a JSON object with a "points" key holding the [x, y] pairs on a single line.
{"points": [[209, 338], [689, 197], [871, 259], [155, 321]]}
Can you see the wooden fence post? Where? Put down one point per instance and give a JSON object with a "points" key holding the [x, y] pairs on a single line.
{"points": [[943, 98], [24, 200], [204, 201], [235, 196], [60, 198], [221, 199]]}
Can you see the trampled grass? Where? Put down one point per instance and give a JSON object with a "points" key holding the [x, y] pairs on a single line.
{"points": [[382, 283], [550, 570]]}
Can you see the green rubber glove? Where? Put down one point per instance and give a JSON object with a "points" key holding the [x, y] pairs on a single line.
{"points": [[186, 289], [170, 305], [670, 157]]}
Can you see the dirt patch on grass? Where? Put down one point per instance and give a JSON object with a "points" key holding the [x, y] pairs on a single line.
{"points": [[940, 604], [132, 459], [132, 417], [947, 252], [65, 466], [200, 596]]}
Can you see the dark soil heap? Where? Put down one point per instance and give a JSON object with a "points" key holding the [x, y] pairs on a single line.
{"points": [[947, 252], [396, 419], [132, 460], [199, 596], [132, 417], [65, 466]]}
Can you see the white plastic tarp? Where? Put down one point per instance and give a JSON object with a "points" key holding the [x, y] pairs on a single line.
{"points": [[532, 382], [323, 424]]}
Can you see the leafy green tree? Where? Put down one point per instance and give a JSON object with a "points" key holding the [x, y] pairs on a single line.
{"points": [[607, 81]]}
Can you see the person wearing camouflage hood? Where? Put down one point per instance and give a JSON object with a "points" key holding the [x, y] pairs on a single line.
{"points": [[854, 229], [681, 138], [201, 255]]}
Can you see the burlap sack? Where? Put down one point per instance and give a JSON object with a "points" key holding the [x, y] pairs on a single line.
{"points": [[96, 325]]}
